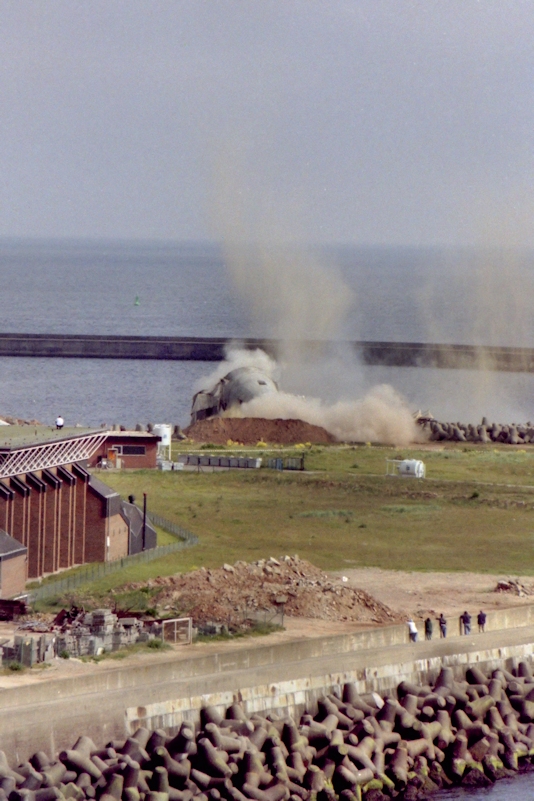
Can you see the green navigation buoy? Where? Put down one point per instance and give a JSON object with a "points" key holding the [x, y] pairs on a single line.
{"points": [[137, 302]]}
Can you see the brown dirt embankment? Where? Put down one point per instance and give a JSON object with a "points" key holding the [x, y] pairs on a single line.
{"points": [[232, 593], [251, 430]]}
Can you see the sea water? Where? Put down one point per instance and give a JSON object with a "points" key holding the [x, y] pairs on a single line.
{"points": [[173, 289]]}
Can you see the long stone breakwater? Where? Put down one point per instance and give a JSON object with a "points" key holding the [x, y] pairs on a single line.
{"points": [[406, 744], [392, 354]]}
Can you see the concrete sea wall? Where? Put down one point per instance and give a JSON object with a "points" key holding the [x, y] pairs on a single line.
{"points": [[398, 354], [286, 676]]}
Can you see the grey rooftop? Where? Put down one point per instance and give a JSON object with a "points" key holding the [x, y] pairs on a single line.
{"points": [[9, 546], [14, 438]]}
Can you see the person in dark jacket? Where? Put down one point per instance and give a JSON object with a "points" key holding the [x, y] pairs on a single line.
{"points": [[465, 622], [481, 620], [442, 625], [428, 629]]}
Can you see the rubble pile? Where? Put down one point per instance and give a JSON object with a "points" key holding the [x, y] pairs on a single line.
{"points": [[514, 587], [95, 632], [229, 594], [467, 732], [251, 430], [76, 633]]}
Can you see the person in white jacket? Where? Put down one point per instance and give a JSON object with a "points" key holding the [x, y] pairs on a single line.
{"points": [[412, 630]]}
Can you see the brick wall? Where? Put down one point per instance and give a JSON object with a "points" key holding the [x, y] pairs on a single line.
{"points": [[52, 501], [129, 461], [118, 537], [139, 461], [62, 521], [78, 520], [5, 514], [95, 522], [20, 522], [35, 539], [12, 576]]}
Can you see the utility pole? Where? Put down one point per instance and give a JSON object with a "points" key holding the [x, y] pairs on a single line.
{"points": [[144, 521]]}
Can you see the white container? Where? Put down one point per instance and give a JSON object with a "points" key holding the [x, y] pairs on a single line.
{"points": [[412, 467], [163, 430]]}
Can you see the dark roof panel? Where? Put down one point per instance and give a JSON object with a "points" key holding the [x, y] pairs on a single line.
{"points": [[9, 546]]}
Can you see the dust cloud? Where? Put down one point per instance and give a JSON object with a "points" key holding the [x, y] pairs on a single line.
{"points": [[380, 416], [294, 296]]}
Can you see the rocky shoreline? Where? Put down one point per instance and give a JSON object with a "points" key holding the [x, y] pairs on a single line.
{"points": [[410, 745]]}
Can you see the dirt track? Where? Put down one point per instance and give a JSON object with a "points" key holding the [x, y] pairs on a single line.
{"points": [[422, 594]]}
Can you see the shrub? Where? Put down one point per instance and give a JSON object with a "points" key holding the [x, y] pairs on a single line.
{"points": [[156, 644]]}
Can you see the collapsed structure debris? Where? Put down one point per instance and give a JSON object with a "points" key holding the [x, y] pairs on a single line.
{"points": [[236, 594], [237, 387], [77, 633], [423, 738]]}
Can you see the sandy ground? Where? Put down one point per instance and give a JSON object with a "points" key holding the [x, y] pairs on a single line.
{"points": [[410, 594], [422, 594]]}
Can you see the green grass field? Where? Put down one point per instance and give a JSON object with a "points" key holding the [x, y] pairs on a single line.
{"points": [[475, 511]]}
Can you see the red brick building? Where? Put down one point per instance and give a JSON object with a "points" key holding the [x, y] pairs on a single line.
{"points": [[52, 506], [126, 449]]}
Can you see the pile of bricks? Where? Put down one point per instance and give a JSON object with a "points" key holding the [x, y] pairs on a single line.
{"points": [[95, 632], [86, 634]]}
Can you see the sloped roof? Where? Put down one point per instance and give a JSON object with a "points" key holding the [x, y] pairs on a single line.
{"points": [[16, 437], [9, 546], [133, 515]]}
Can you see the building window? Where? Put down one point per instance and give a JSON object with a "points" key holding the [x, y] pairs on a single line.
{"points": [[133, 450]]}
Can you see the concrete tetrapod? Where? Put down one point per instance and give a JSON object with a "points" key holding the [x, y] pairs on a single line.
{"points": [[471, 731]]}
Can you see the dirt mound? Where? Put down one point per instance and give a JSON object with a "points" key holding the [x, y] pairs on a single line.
{"points": [[250, 430], [234, 593]]}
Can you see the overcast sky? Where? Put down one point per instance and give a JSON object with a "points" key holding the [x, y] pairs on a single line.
{"points": [[365, 121]]}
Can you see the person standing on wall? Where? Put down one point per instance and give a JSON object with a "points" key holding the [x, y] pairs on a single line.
{"points": [[481, 620], [442, 625], [428, 629], [465, 621], [412, 630]]}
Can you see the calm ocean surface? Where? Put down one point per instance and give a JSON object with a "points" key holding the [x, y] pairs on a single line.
{"points": [[398, 294]]}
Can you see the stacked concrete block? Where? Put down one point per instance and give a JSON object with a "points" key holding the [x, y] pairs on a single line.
{"points": [[91, 634]]}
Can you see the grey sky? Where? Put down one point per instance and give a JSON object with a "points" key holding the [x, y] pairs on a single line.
{"points": [[369, 121]]}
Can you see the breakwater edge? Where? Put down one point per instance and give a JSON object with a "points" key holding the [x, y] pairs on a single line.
{"points": [[468, 731], [389, 354]]}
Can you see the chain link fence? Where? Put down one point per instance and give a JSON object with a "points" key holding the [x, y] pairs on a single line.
{"points": [[97, 570]]}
